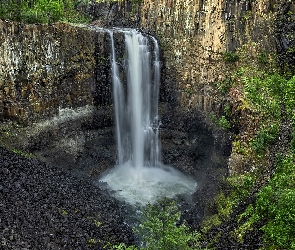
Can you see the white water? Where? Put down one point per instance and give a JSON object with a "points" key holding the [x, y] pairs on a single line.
{"points": [[140, 177]]}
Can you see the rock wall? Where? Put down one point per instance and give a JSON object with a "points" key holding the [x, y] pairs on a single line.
{"points": [[45, 68], [195, 34], [56, 94], [39, 61]]}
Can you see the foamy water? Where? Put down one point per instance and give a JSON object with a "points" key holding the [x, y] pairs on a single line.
{"points": [[149, 184]]}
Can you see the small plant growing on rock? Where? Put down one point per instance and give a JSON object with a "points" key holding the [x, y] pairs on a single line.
{"points": [[262, 57], [230, 56], [224, 123], [264, 138]]}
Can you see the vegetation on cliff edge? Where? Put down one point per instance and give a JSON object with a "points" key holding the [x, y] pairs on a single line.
{"points": [[43, 11], [259, 198]]}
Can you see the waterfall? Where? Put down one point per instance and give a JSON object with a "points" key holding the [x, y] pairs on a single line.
{"points": [[139, 175], [136, 114], [119, 102]]}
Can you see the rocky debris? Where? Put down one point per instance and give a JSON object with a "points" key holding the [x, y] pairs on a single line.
{"points": [[43, 207]]}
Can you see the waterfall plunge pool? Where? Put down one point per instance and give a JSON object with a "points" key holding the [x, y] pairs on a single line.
{"points": [[148, 184]]}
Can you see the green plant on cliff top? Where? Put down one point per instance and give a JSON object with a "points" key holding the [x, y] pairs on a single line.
{"points": [[42, 11]]}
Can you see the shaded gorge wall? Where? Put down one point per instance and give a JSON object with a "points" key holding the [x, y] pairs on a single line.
{"points": [[45, 68], [55, 94]]}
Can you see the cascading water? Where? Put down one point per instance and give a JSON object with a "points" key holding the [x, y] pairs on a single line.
{"points": [[140, 177]]}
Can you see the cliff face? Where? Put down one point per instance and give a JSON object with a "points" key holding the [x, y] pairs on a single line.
{"points": [[195, 34], [44, 68], [47, 68]]}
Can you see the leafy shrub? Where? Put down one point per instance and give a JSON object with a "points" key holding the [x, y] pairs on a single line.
{"points": [[41, 11], [227, 109], [289, 96], [275, 206], [262, 57], [160, 228], [224, 123], [275, 203], [265, 94], [270, 93], [230, 56], [239, 187], [264, 138], [224, 85]]}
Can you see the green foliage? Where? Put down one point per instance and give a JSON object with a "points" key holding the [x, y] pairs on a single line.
{"points": [[247, 15], [159, 228], [289, 96], [241, 184], [248, 225], [270, 93], [224, 85], [240, 187], [266, 94], [225, 205], [42, 11], [276, 205], [22, 153], [264, 138], [110, 1], [227, 109], [273, 97], [262, 57], [230, 56], [121, 246], [224, 123]]}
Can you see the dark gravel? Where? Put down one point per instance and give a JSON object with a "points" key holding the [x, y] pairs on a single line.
{"points": [[44, 207]]}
